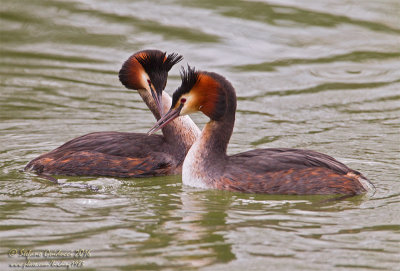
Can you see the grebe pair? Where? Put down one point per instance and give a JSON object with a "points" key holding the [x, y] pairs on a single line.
{"points": [[271, 171], [128, 154]]}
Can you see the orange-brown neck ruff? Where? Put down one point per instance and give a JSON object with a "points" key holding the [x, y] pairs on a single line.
{"points": [[207, 93], [132, 72]]}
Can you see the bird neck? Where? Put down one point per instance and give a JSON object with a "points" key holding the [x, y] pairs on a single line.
{"points": [[214, 139], [182, 131], [149, 101]]}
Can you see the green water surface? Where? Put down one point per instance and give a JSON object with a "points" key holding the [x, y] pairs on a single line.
{"points": [[320, 75]]}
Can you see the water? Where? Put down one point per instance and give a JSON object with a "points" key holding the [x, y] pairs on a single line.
{"points": [[321, 75]]}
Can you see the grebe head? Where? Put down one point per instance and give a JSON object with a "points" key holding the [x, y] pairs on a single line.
{"points": [[199, 91], [147, 70]]}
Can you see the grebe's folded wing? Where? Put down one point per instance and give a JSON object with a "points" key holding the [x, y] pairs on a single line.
{"points": [[93, 163], [276, 159], [114, 143], [288, 171], [107, 154]]}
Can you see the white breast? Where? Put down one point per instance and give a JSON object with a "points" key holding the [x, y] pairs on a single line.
{"points": [[191, 174]]}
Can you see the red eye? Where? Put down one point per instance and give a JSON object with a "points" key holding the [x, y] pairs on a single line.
{"points": [[148, 81], [183, 100]]}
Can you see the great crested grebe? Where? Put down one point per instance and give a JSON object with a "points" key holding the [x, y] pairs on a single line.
{"points": [[128, 154], [270, 171]]}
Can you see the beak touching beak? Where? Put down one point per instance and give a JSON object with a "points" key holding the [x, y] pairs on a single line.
{"points": [[157, 96], [167, 118]]}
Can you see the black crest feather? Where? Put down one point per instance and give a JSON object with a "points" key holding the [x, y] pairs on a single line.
{"points": [[189, 78], [171, 60], [157, 65], [155, 60]]}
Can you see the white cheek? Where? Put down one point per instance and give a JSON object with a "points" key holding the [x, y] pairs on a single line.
{"points": [[186, 110], [145, 78]]}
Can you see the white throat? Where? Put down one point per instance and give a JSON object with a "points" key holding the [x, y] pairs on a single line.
{"points": [[192, 174]]}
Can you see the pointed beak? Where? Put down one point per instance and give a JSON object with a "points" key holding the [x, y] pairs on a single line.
{"points": [[167, 118], [157, 96]]}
